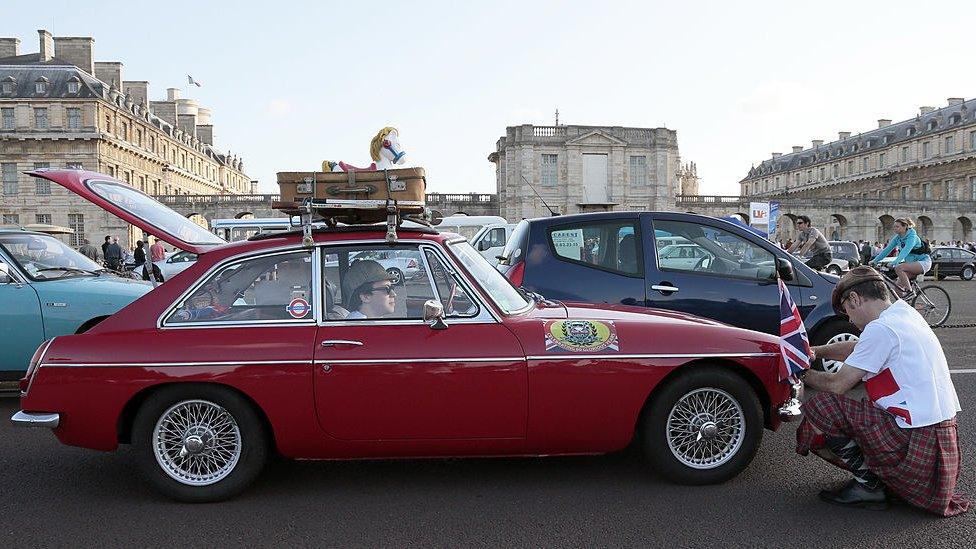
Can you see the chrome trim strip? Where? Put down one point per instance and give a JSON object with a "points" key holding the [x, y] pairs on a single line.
{"points": [[420, 360], [168, 364], [40, 360], [663, 355], [334, 342], [36, 419]]}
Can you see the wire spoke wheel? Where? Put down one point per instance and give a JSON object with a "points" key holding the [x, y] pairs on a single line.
{"points": [[934, 304], [705, 428], [197, 442]]}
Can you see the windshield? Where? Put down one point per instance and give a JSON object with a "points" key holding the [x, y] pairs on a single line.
{"points": [[153, 213], [491, 281], [44, 257]]}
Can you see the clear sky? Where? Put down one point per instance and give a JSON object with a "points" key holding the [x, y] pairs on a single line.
{"points": [[293, 83]]}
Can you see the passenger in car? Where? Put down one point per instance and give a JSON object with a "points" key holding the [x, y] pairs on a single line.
{"points": [[368, 290]]}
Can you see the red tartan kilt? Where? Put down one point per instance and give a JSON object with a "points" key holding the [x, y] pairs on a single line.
{"points": [[921, 465]]}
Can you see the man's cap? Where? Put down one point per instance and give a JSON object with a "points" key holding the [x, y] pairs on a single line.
{"points": [[362, 272], [855, 276]]}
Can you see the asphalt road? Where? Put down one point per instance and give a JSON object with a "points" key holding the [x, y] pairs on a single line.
{"points": [[54, 495]]}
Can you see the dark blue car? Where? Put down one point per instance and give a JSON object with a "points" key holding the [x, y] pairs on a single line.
{"points": [[684, 262]]}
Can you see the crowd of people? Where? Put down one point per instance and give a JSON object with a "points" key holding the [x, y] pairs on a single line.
{"points": [[115, 258]]}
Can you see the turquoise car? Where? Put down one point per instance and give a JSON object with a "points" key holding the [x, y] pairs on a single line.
{"points": [[48, 289]]}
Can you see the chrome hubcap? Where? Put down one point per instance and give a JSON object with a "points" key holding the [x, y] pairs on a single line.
{"points": [[833, 366], [197, 442], [706, 428]]}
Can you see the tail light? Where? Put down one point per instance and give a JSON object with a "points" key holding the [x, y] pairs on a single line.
{"points": [[35, 361], [516, 273], [412, 264]]}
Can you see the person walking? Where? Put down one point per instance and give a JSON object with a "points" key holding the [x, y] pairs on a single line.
{"points": [[903, 437], [157, 252], [865, 252], [113, 255], [913, 257], [89, 251], [108, 240], [811, 241], [139, 254]]}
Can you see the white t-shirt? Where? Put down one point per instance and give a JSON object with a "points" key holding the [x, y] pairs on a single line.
{"points": [[908, 375], [355, 315]]}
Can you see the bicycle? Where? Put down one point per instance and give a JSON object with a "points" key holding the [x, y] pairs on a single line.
{"points": [[931, 301]]}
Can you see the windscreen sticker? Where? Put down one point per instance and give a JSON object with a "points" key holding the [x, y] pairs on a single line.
{"points": [[298, 308], [580, 336]]}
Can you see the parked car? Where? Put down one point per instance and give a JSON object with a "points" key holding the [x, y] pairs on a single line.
{"points": [[48, 289], [951, 261], [468, 225], [491, 240], [175, 263], [618, 258], [250, 356]]}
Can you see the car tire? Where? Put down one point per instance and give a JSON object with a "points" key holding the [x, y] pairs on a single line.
{"points": [[833, 332], [667, 437], [217, 410], [967, 272], [834, 270], [396, 276]]}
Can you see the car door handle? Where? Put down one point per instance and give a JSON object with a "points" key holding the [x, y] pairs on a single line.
{"points": [[334, 342], [663, 288]]}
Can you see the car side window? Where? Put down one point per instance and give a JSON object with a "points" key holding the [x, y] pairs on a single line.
{"points": [[495, 238], [367, 282], [611, 245], [273, 287], [455, 299], [711, 250]]}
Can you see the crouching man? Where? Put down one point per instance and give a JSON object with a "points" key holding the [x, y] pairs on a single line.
{"points": [[903, 436]]}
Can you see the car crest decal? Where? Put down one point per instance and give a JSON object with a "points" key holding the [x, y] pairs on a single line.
{"points": [[298, 308], [579, 336]]}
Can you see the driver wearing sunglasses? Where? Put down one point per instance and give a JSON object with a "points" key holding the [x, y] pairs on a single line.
{"points": [[369, 291]]}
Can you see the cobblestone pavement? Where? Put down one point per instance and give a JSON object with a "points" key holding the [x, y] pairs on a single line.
{"points": [[59, 496]]}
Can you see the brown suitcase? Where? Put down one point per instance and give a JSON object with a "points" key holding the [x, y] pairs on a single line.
{"points": [[354, 197]]}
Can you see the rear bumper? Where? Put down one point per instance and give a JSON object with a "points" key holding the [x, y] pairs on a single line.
{"points": [[790, 410], [36, 419]]}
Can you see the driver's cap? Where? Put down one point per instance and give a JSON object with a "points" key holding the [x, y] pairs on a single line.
{"points": [[362, 272]]}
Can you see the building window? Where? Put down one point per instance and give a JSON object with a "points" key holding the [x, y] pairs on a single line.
{"points": [[972, 140], [776, 181], [950, 144], [904, 193], [926, 149], [11, 219], [42, 187], [8, 88], [9, 170], [881, 163], [108, 124], [904, 154], [40, 87], [8, 118], [949, 187], [40, 118], [836, 170], [547, 176], [972, 187], [638, 170], [74, 118], [139, 137], [110, 170], [927, 191], [809, 176], [74, 87], [76, 222], [850, 167], [43, 218], [74, 166], [822, 171], [124, 131]]}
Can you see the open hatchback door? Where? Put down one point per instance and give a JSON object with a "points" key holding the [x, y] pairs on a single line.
{"points": [[135, 207]]}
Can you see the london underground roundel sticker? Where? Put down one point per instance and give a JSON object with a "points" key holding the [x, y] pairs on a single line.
{"points": [[298, 308]]}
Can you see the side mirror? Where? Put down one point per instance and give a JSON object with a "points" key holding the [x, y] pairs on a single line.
{"points": [[784, 269], [434, 314]]}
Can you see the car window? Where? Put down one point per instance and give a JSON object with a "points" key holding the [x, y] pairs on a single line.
{"points": [[712, 251], [610, 244], [513, 248], [44, 257], [495, 238], [501, 291], [369, 282], [456, 301], [267, 288], [966, 256]]}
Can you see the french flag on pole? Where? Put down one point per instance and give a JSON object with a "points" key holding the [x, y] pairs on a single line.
{"points": [[794, 345]]}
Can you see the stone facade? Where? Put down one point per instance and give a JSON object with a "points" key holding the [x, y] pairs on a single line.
{"points": [[896, 170], [587, 168], [62, 109]]}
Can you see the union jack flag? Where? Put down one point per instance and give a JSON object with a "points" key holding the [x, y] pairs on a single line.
{"points": [[794, 345]]}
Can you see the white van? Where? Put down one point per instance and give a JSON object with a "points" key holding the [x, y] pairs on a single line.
{"points": [[468, 225], [491, 240]]}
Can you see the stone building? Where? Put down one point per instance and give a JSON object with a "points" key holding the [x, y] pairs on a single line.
{"points": [[929, 158], [587, 168], [59, 108]]}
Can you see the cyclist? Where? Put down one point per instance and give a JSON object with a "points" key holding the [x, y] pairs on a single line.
{"points": [[811, 241], [913, 257]]}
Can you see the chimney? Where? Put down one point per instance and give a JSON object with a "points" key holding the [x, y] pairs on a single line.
{"points": [[925, 110], [884, 123], [187, 123], [817, 143], [955, 101], [109, 72], [165, 110], [777, 155], [47, 45], [9, 47], [797, 148], [203, 116], [138, 90], [79, 51], [172, 94], [205, 132], [843, 135]]}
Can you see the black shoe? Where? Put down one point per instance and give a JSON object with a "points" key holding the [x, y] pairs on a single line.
{"points": [[855, 494]]}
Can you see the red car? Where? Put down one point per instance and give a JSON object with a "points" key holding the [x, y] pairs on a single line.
{"points": [[272, 345]]}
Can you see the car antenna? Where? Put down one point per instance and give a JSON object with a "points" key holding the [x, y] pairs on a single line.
{"points": [[551, 211]]}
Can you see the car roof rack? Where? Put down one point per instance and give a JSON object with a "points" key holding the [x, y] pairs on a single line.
{"points": [[357, 213], [299, 229]]}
